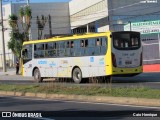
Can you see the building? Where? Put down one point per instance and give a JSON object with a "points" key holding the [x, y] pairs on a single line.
{"points": [[81, 16], [59, 22], [131, 12], [103, 15], [89, 15]]}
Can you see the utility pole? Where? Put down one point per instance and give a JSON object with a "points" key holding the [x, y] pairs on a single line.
{"points": [[28, 2], [130, 25], [3, 42]]}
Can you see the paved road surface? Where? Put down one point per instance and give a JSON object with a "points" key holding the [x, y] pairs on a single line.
{"points": [[151, 80], [72, 109]]}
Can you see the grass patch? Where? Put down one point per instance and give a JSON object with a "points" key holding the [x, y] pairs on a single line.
{"points": [[137, 92]]}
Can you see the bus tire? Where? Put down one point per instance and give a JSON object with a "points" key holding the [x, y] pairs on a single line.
{"points": [[77, 75], [37, 76]]}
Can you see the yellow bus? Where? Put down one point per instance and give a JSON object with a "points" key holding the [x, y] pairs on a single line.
{"points": [[83, 56]]}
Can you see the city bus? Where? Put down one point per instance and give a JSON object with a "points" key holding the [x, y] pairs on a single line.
{"points": [[83, 56]]}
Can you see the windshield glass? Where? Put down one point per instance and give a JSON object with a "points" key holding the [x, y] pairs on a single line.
{"points": [[27, 52], [126, 40]]}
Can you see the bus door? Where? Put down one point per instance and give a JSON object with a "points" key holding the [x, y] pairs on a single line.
{"points": [[62, 51], [51, 68], [27, 60], [63, 68], [93, 50]]}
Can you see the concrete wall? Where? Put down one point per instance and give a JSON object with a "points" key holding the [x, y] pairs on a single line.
{"points": [[59, 13]]}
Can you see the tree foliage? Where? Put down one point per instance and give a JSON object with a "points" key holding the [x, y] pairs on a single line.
{"points": [[13, 21], [18, 36], [15, 43]]}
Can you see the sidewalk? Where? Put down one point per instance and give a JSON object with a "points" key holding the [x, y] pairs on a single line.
{"points": [[9, 72]]}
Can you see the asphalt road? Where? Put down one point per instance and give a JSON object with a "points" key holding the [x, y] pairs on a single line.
{"points": [[58, 109], [151, 80]]}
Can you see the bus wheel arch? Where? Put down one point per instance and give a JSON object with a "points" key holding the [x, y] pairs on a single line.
{"points": [[77, 74], [37, 75]]}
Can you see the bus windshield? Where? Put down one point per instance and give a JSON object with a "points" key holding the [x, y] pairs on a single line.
{"points": [[126, 40]]}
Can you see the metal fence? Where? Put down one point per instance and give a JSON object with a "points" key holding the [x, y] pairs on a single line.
{"points": [[10, 60], [151, 48]]}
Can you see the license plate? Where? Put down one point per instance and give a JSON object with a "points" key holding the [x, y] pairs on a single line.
{"points": [[128, 62]]}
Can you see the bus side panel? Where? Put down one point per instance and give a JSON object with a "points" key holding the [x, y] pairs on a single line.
{"points": [[27, 68], [80, 62], [48, 67], [96, 66], [89, 66]]}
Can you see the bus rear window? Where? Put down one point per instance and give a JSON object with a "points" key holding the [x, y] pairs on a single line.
{"points": [[126, 40]]}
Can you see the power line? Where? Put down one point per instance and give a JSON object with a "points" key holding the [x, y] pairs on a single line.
{"points": [[105, 11]]}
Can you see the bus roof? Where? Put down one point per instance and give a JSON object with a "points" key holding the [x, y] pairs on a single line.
{"points": [[68, 37]]}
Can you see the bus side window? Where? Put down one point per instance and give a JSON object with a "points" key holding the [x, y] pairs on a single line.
{"points": [[27, 52], [86, 43], [49, 46], [46, 46], [104, 41], [68, 44], [72, 44], [98, 42], [104, 46], [54, 45], [82, 43], [72, 50], [81, 49]]}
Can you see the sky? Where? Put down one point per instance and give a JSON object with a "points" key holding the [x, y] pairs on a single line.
{"points": [[34, 1]]}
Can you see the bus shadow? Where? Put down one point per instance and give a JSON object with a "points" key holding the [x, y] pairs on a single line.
{"points": [[141, 78]]}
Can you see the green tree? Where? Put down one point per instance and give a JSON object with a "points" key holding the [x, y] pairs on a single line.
{"points": [[18, 36], [25, 15]]}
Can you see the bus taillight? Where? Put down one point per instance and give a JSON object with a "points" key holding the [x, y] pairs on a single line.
{"points": [[141, 59], [114, 60]]}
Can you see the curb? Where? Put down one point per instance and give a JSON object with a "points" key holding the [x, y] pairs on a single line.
{"points": [[96, 99]]}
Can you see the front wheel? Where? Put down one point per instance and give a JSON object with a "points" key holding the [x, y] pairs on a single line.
{"points": [[37, 76], [77, 75]]}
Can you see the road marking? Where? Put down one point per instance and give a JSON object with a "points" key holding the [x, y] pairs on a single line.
{"points": [[88, 102]]}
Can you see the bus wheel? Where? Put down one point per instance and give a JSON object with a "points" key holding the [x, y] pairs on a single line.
{"points": [[77, 75], [37, 76]]}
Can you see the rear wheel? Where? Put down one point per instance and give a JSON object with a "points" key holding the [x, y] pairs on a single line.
{"points": [[37, 76], [77, 75]]}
